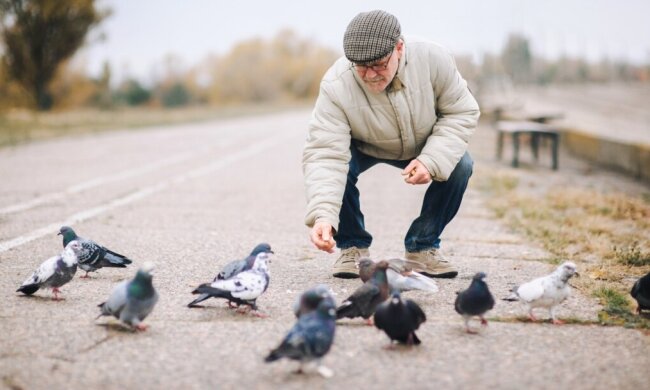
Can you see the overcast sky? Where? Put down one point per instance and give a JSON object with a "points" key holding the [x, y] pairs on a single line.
{"points": [[140, 33]]}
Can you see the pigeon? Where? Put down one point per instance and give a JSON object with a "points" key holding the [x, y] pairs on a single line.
{"points": [[131, 301], [310, 338], [93, 256], [364, 300], [309, 300], [243, 288], [475, 301], [54, 272], [400, 275], [400, 319], [641, 292], [547, 291], [233, 268]]}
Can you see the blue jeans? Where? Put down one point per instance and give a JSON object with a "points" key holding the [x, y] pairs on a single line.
{"points": [[441, 202]]}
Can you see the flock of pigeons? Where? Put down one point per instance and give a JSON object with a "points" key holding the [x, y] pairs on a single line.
{"points": [[378, 300]]}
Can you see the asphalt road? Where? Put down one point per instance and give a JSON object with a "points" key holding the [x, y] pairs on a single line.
{"points": [[190, 198]]}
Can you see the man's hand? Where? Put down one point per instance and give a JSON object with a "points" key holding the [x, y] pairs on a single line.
{"points": [[416, 173], [321, 236]]}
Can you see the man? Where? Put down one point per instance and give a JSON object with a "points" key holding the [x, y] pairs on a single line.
{"points": [[394, 100]]}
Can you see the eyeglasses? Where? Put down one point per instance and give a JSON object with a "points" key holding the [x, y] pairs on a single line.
{"points": [[376, 67]]}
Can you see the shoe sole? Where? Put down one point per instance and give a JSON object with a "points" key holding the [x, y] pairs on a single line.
{"points": [[345, 275], [444, 275]]}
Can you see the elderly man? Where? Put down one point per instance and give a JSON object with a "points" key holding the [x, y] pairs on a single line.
{"points": [[395, 100]]}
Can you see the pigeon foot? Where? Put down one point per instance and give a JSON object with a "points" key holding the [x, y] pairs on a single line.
{"points": [[141, 327], [557, 322], [484, 322], [370, 322]]}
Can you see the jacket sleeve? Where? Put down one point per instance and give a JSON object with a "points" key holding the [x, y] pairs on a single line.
{"points": [[458, 114], [325, 160]]}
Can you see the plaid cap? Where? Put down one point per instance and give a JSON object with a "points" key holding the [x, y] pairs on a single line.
{"points": [[371, 36]]}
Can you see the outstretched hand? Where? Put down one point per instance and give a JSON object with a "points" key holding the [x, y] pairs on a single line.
{"points": [[416, 173], [321, 236]]}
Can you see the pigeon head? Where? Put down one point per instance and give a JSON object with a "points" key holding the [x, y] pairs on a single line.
{"points": [[74, 246], [380, 272], [141, 286], [71, 252], [262, 247], [366, 268], [395, 298], [68, 234], [479, 276], [148, 267], [327, 308], [566, 270]]}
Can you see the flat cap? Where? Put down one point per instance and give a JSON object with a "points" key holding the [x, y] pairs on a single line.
{"points": [[371, 36]]}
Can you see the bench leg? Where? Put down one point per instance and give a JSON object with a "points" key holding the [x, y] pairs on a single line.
{"points": [[515, 154], [534, 144], [554, 146], [499, 146]]}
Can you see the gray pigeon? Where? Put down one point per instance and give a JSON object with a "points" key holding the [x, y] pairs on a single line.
{"points": [[475, 301], [233, 268], [547, 291], [400, 319], [131, 301], [243, 288], [310, 338], [93, 256], [54, 272], [309, 300], [641, 292], [364, 300], [400, 274]]}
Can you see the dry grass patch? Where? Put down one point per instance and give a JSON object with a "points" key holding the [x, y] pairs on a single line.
{"points": [[606, 233]]}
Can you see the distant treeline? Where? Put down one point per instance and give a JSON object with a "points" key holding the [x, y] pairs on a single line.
{"points": [[39, 38]]}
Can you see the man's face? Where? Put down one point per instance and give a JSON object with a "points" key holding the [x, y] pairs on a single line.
{"points": [[378, 75]]}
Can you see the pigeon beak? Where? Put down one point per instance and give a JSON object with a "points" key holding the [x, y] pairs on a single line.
{"points": [[58, 234], [577, 274]]}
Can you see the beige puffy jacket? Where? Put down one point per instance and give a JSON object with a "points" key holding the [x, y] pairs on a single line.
{"points": [[426, 113]]}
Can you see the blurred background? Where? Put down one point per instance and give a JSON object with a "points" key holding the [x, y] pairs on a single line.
{"points": [[69, 65]]}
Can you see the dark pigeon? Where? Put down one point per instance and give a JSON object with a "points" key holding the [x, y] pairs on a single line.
{"points": [[131, 301], [233, 268], [475, 301], [54, 272], [641, 292], [400, 319], [93, 256], [364, 301], [310, 338], [243, 288], [309, 300]]}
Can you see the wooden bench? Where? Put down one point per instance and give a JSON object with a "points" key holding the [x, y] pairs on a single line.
{"points": [[535, 130]]}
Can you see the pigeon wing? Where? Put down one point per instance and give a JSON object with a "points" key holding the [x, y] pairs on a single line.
{"points": [[531, 291], [246, 285]]}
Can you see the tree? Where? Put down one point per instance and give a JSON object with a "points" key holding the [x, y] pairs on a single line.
{"points": [[39, 35], [517, 59]]}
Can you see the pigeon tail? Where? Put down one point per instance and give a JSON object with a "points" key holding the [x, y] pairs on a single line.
{"points": [[201, 298], [415, 339], [114, 259], [207, 289], [28, 289], [347, 310], [513, 297], [273, 356]]}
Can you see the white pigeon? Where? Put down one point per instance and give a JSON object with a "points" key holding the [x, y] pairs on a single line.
{"points": [[400, 275], [54, 272], [243, 288], [547, 291]]}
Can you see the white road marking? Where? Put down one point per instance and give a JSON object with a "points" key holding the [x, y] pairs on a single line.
{"points": [[99, 181], [143, 193]]}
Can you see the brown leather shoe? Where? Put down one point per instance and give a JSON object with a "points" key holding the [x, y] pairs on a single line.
{"points": [[346, 265], [435, 264]]}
